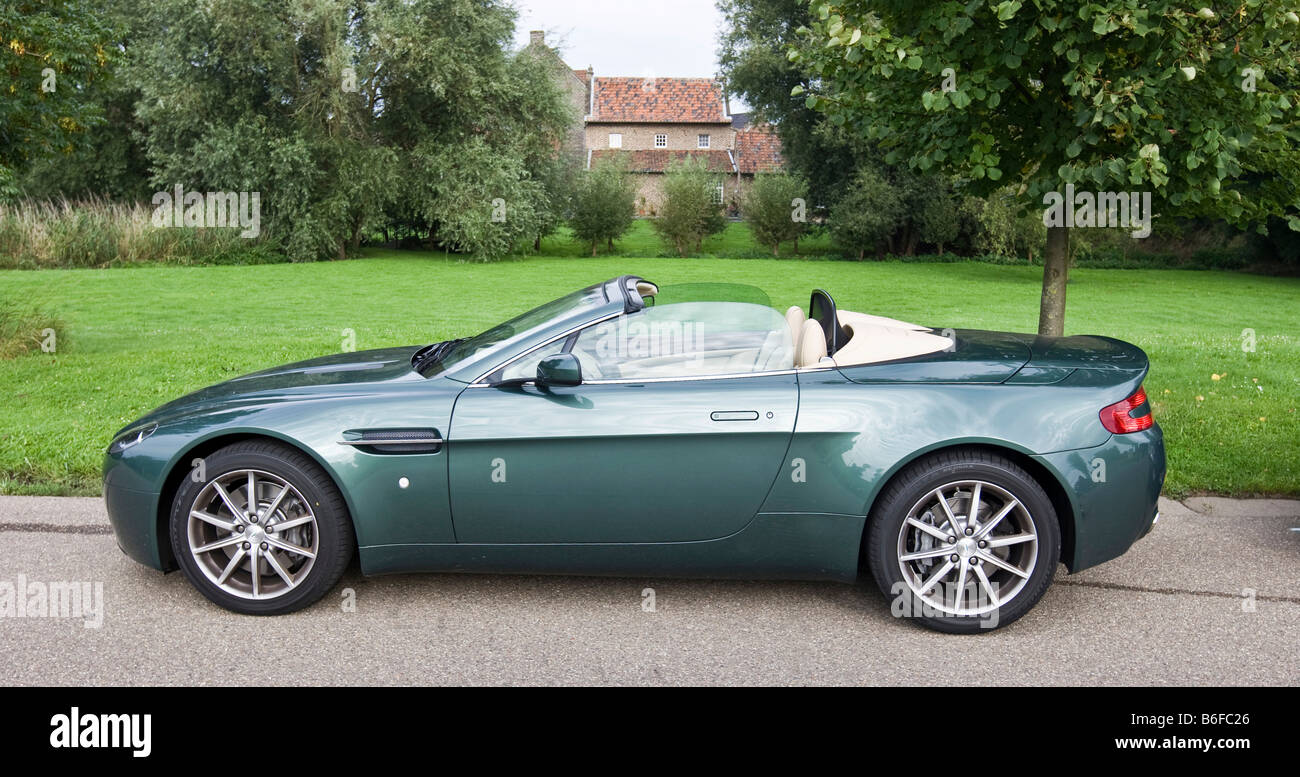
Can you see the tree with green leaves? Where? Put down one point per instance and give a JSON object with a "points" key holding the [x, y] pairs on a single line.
{"points": [[776, 209], [604, 205], [350, 115], [755, 36], [692, 209], [1195, 106], [52, 53], [473, 125]]}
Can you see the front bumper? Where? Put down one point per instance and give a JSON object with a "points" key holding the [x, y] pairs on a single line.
{"points": [[1114, 489], [132, 512]]}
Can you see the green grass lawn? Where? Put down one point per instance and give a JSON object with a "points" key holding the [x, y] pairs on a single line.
{"points": [[139, 337]]}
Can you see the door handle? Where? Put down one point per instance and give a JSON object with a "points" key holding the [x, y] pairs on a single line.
{"points": [[734, 415]]}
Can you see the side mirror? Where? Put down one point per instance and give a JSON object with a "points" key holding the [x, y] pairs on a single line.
{"points": [[562, 369]]}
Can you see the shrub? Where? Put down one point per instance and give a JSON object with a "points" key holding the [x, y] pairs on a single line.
{"points": [[770, 209], [25, 328], [937, 220], [604, 205], [691, 211], [867, 214], [96, 233], [999, 227]]}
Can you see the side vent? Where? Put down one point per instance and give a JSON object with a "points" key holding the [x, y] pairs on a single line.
{"points": [[394, 441]]}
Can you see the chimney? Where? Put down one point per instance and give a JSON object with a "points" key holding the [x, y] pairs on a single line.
{"points": [[537, 38]]}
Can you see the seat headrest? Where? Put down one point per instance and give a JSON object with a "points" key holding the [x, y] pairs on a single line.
{"points": [[811, 347], [795, 318]]}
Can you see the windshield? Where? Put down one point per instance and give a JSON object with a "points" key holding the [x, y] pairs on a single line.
{"points": [[711, 292], [517, 326]]}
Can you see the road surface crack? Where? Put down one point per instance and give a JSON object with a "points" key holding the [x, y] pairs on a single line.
{"points": [[1178, 591], [57, 528]]}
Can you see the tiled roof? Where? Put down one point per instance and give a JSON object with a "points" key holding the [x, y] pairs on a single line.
{"points": [[654, 100], [758, 150], [657, 160]]}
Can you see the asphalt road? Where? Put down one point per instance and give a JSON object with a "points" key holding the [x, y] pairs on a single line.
{"points": [[1174, 611]]}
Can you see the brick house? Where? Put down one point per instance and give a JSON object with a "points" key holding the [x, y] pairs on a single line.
{"points": [[650, 122]]}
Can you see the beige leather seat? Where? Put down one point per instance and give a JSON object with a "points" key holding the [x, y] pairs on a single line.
{"points": [[795, 318], [811, 345]]}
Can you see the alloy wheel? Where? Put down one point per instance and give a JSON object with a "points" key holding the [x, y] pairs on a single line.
{"points": [[253, 534], [967, 548]]}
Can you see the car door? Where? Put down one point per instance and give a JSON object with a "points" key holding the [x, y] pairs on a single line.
{"points": [[625, 457]]}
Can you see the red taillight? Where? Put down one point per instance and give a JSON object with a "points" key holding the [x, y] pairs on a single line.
{"points": [[1119, 419]]}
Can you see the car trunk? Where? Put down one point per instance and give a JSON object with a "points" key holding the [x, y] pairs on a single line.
{"points": [[976, 357]]}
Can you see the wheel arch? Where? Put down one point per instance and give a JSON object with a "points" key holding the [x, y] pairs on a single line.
{"points": [[1051, 482], [180, 467]]}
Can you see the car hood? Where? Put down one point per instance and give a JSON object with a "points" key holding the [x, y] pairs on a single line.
{"points": [[328, 376]]}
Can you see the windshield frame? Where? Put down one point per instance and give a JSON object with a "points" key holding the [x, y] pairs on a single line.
{"points": [[585, 305]]}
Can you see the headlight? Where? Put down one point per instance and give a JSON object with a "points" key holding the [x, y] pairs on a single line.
{"points": [[130, 438]]}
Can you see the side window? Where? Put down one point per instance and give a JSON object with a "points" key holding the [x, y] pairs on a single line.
{"points": [[686, 340], [526, 367]]}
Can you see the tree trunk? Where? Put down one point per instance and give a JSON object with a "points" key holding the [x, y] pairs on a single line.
{"points": [[537, 244], [941, 249], [1056, 271], [593, 247], [862, 254], [796, 246], [776, 250]]}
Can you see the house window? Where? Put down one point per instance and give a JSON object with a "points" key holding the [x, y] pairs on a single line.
{"points": [[704, 141], [615, 140], [661, 141], [718, 193]]}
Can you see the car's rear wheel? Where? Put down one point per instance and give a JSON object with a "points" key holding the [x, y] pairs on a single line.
{"points": [[964, 541], [262, 530]]}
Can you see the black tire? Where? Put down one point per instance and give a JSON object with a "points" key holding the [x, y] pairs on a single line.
{"points": [[334, 536], [915, 484]]}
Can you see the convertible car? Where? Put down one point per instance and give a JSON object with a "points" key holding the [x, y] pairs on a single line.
{"points": [[690, 432]]}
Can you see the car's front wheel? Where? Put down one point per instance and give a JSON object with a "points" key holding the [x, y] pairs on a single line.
{"points": [[964, 541], [261, 529]]}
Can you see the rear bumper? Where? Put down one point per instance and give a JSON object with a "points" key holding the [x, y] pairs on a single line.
{"points": [[1114, 489], [1152, 527]]}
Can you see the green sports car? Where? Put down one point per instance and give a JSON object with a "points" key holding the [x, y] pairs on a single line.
{"points": [[693, 431]]}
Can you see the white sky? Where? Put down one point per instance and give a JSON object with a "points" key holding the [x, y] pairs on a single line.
{"points": [[654, 38]]}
